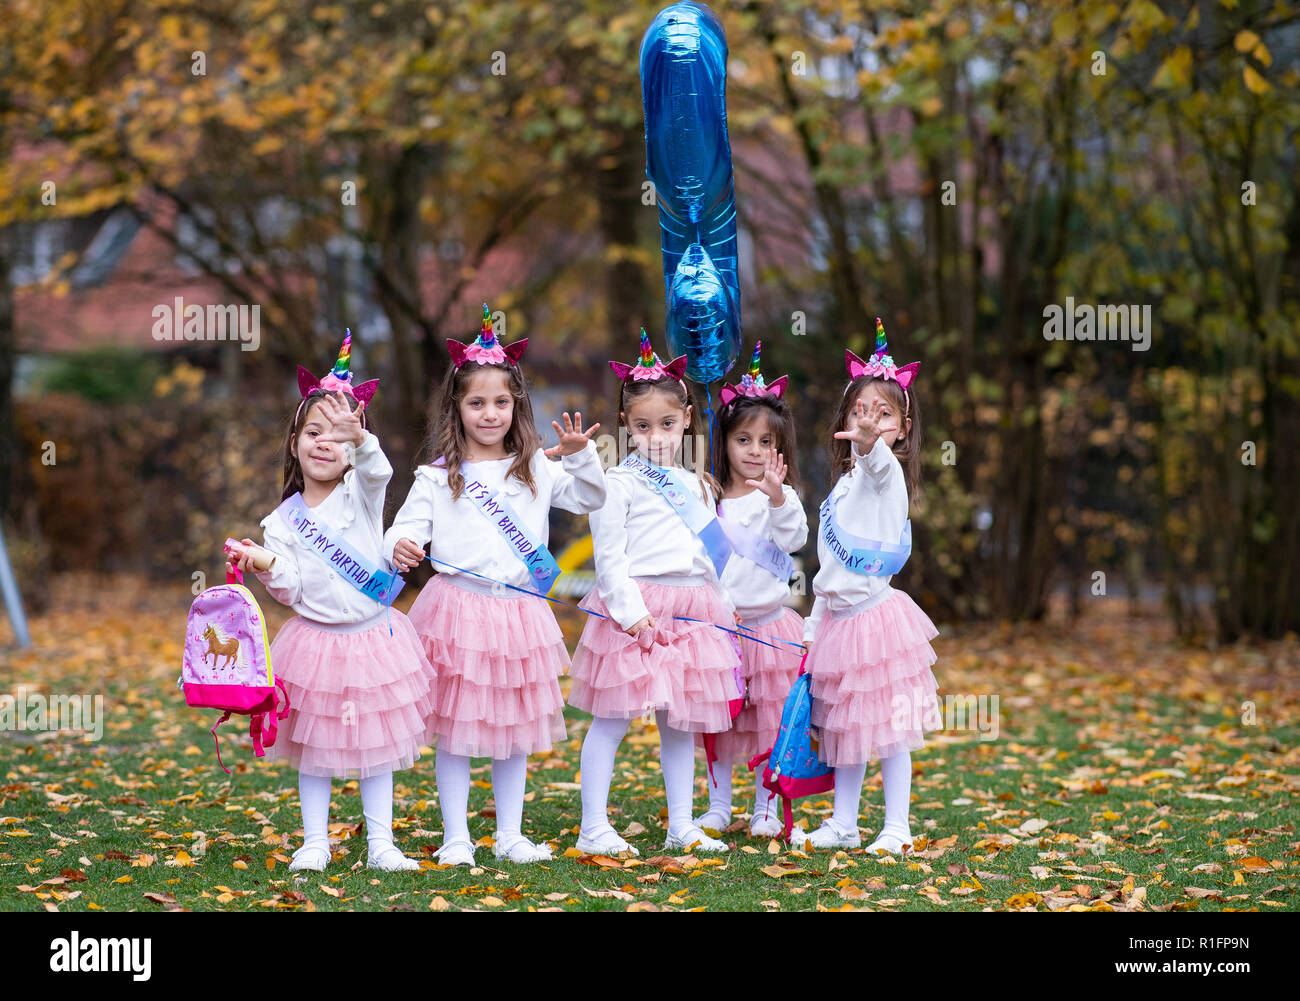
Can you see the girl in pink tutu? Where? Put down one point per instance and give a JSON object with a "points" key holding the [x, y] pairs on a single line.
{"points": [[359, 685], [764, 521], [872, 688], [658, 551], [483, 507]]}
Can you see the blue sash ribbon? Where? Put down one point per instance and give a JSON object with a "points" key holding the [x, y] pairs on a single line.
{"points": [[702, 522], [764, 552], [869, 557], [323, 540], [542, 567]]}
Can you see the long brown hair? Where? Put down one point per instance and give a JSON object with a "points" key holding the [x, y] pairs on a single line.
{"points": [[780, 423], [447, 439], [634, 390], [293, 481], [907, 448]]}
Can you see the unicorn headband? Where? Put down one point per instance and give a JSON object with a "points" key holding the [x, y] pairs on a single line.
{"points": [[648, 367], [881, 366], [338, 379], [751, 383], [486, 349]]}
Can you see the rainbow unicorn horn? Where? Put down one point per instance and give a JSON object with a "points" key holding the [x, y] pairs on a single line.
{"points": [[339, 378], [486, 349], [648, 365], [751, 383]]}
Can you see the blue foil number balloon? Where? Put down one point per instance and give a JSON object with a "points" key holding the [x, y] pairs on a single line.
{"points": [[688, 157]]}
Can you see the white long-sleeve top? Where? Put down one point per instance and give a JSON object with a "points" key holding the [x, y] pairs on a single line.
{"points": [[755, 591], [872, 498], [639, 534], [462, 535], [355, 509]]}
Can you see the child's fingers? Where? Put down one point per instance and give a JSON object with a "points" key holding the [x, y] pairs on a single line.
{"points": [[591, 430]]}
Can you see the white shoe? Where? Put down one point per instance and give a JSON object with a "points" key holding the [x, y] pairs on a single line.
{"points": [[389, 858], [693, 839], [713, 822], [606, 842], [831, 835], [459, 852], [766, 827], [891, 843], [524, 850], [310, 857]]}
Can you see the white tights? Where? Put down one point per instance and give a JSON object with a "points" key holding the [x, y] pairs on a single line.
{"points": [[508, 778], [720, 791], [376, 804], [676, 760], [896, 773]]}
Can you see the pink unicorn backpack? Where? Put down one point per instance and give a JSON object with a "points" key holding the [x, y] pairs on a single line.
{"points": [[227, 662]]}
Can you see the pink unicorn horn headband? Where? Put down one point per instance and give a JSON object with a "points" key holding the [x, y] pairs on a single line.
{"points": [[649, 367], [486, 349], [339, 378], [881, 365], [751, 383]]}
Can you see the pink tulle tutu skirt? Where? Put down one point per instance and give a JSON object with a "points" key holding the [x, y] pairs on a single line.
{"points": [[498, 660], [357, 699], [873, 692], [686, 668], [769, 673]]}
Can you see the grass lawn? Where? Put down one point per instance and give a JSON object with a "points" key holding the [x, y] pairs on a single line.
{"points": [[1126, 773]]}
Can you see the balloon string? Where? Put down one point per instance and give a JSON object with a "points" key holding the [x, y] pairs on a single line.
{"points": [[708, 413]]}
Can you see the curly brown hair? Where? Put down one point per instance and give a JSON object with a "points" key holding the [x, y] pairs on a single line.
{"points": [[447, 440], [293, 481], [780, 422], [676, 390], [907, 448]]}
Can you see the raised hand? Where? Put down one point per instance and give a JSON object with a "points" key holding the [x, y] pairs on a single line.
{"points": [[344, 422], [572, 438], [870, 425], [773, 477]]}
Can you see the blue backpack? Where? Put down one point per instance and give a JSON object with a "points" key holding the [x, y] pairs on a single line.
{"points": [[793, 768]]}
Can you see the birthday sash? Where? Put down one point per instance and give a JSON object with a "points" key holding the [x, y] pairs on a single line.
{"points": [[542, 567], [326, 542], [702, 522], [865, 556], [764, 552]]}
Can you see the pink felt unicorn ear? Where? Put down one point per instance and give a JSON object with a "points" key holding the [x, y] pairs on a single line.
{"points": [[457, 351], [727, 393], [907, 374], [516, 351], [854, 364], [777, 386], [366, 391], [677, 367], [306, 382], [620, 370]]}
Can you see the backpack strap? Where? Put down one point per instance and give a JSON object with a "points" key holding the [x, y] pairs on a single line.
{"points": [[225, 716], [255, 731], [754, 762], [265, 724], [710, 755], [787, 813]]}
